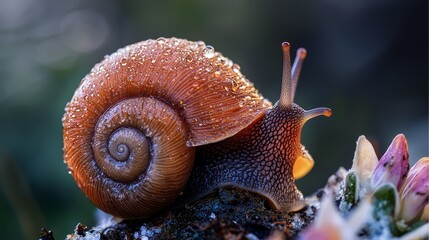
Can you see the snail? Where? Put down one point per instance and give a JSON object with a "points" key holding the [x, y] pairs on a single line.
{"points": [[166, 117]]}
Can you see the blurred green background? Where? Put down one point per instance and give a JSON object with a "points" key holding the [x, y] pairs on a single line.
{"points": [[368, 61]]}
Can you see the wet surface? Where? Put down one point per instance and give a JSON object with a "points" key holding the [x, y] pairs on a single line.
{"points": [[226, 213]]}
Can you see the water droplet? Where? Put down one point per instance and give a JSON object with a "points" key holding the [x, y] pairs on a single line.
{"points": [[124, 62], [234, 85], [236, 66], [160, 40], [194, 46], [253, 103], [150, 115], [189, 58], [195, 84], [201, 43], [167, 51], [209, 52]]}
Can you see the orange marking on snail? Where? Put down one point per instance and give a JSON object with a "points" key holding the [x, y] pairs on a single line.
{"points": [[174, 115]]}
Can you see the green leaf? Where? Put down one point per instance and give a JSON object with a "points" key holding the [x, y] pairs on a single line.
{"points": [[385, 201], [351, 188]]}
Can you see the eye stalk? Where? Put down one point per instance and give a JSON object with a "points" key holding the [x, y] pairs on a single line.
{"points": [[286, 95], [312, 113], [290, 81], [301, 53], [290, 75]]}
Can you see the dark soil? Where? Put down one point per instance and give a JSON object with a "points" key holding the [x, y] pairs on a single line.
{"points": [[226, 213]]}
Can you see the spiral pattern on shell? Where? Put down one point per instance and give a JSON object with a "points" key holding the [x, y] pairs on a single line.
{"points": [[131, 125]]}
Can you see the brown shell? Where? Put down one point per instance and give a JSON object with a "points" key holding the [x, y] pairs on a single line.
{"points": [[207, 89], [204, 89]]}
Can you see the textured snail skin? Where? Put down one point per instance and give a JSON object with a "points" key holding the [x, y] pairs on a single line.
{"points": [[260, 158], [139, 119]]}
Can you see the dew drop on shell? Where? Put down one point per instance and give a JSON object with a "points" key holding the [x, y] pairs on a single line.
{"points": [[234, 86], [189, 58], [124, 62], [209, 52], [161, 40]]}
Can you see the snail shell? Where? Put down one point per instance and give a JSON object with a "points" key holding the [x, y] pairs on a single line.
{"points": [[130, 128]]}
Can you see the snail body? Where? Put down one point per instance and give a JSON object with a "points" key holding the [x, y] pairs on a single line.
{"points": [[141, 118]]}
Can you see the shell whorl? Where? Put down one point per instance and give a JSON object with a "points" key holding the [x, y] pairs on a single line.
{"points": [[129, 124]]}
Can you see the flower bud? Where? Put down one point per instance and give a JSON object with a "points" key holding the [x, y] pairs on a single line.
{"points": [[415, 193], [364, 162], [393, 165]]}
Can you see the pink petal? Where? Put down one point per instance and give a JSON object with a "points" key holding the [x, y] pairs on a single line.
{"points": [[415, 193], [393, 165]]}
